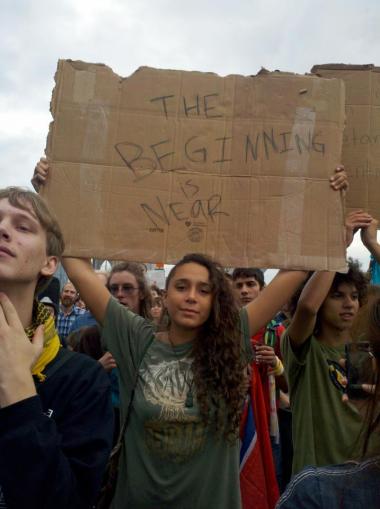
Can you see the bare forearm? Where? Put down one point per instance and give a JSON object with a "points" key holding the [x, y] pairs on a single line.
{"points": [[369, 238], [309, 303], [282, 383], [273, 297], [374, 249], [92, 291], [315, 291], [75, 268]]}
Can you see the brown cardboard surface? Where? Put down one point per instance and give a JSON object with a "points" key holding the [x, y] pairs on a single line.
{"points": [[163, 163], [361, 140]]}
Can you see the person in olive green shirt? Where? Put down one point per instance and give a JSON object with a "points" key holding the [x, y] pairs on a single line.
{"points": [[181, 447], [325, 429], [175, 455]]}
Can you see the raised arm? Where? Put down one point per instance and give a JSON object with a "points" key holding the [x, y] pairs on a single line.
{"points": [[91, 289], [285, 284], [79, 270], [317, 289], [309, 303], [354, 221], [369, 239], [273, 297], [41, 173]]}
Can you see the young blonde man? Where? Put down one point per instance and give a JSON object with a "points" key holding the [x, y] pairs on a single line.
{"points": [[55, 409]]}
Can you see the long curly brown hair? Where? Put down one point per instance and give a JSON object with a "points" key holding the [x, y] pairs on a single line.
{"points": [[218, 360]]}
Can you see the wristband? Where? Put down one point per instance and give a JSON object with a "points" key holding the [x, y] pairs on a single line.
{"points": [[278, 370]]}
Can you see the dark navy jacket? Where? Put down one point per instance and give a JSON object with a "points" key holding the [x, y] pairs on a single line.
{"points": [[347, 486], [54, 446]]}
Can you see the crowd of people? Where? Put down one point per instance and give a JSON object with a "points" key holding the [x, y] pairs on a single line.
{"points": [[225, 392]]}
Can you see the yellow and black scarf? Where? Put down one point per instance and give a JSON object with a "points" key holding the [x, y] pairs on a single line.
{"points": [[52, 344]]}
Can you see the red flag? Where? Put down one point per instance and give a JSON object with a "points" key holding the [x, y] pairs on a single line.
{"points": [[258, 483]]}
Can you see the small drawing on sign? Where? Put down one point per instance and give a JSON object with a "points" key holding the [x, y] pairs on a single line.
{"points": [[195, 234]]}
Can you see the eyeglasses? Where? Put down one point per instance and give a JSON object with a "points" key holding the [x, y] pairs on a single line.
{"points": [[127, 289]]}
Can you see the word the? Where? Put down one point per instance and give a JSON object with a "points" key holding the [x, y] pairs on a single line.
{"points": [[200, 106]]}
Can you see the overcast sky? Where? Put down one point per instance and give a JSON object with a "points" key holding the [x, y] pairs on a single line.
{"points": [[222, 36]]}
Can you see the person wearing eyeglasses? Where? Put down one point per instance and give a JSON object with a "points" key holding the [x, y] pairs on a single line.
{"points": [[128, 285]]}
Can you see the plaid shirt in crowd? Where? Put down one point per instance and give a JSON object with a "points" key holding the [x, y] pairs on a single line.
{"points": [[64, 322]]}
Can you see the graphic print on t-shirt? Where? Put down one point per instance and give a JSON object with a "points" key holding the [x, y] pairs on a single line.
{"points": [[167, 384], [337, 375], [175, 435]]}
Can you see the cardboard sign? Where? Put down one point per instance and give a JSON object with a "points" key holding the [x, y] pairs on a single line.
{"points": [[164, 163], [361, 139]]}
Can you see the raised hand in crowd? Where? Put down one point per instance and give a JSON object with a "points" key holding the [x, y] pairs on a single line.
{"points": [[369, 238], [354, 221], [40, 175], [339, 181]]}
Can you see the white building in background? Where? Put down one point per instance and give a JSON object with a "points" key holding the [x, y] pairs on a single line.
{"points": [[155, 274]]}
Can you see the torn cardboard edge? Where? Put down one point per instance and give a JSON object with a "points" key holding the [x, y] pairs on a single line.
{"points": [[361, 139], [260, 219], [345, 67]]}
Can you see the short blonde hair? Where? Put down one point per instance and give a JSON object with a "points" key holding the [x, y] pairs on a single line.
{"points": [[27, 200]]}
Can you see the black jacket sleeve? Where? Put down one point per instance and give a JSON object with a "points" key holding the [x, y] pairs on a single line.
{"points": [[54, 446]]}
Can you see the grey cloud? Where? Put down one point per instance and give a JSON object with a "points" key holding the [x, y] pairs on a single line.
{"points": [[208, 35]]}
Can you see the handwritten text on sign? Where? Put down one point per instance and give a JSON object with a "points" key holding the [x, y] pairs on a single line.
{"points": [[196, 149], [172, 161]]}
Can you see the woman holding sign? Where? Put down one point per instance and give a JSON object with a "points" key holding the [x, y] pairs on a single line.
{"points": [[187, 384]]}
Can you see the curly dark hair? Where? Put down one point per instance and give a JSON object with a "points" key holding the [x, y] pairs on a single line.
{"points": [[355, 276], [218, 363]]}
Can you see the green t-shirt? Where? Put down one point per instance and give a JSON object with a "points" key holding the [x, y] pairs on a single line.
{"points": [[170, 460], [325, 430]]}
